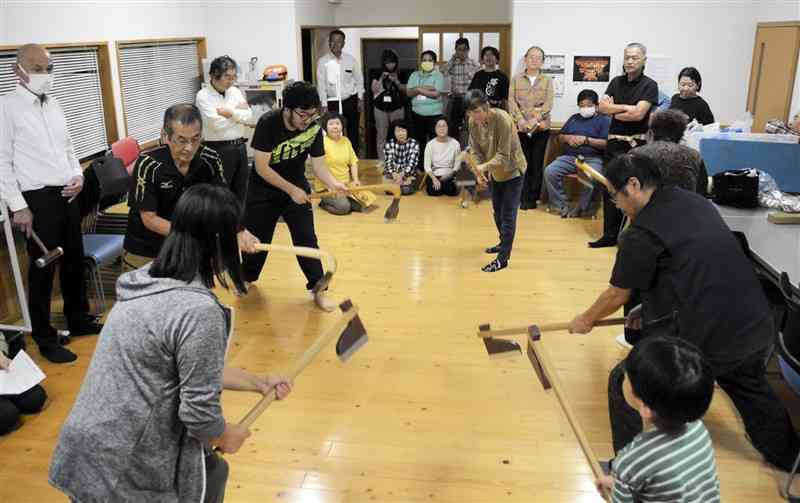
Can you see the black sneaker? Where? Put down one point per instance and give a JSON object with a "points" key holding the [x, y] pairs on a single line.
{"points": [[85, 328], [494, 266], [493, 250], [603, 242], [57, 354]]}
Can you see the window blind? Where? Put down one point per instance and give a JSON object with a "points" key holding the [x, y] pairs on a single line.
{"points": [[76, 86], [153, 77]]}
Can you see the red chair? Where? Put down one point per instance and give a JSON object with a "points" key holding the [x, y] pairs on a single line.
{"points": [[126, 150]]}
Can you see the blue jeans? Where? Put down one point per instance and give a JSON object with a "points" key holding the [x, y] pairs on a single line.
{"points": [[505, 203], [554, 175]]}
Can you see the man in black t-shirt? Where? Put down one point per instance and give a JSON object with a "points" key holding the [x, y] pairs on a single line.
{"points": [[283, 140], [696, 284], [160, 177], [628, 100], [490, 80]]}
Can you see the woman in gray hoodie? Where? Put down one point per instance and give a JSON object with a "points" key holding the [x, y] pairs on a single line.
{"points": [[148, 414]]}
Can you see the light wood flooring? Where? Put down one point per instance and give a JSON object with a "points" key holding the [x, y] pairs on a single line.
{"points": [[419, 413]]}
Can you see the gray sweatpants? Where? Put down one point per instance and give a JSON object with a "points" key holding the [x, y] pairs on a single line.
{"points": [[382, 121]]}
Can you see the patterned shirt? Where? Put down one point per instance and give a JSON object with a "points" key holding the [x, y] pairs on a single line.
{"points": [[400, 158], [657, 466], [531, 101], [460, 73]]}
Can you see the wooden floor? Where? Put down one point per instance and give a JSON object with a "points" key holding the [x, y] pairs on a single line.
{"points": [[420, 413]]}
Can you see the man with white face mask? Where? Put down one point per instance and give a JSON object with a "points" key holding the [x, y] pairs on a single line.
{"points": [[583, 134], [40, 178]]}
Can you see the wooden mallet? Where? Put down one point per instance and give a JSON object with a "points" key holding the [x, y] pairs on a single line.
{"points": [[549, 379], [473, 166], [593, 174], [391, 212], [350, 334], [302, 251], [49, 256]]}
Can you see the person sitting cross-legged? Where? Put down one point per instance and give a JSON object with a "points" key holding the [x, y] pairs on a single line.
{"points": [[585, 133], [343, 165], [401, 155]]}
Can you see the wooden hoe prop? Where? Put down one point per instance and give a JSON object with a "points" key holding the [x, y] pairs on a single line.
{"points": [[391, 212]]}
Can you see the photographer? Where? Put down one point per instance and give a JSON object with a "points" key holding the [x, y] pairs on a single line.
{"points": [[388, 98]]}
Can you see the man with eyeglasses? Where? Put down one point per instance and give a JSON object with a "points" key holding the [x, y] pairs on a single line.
{"points": [[161, 176], [40, 179], [283, 140], [226, 115]]}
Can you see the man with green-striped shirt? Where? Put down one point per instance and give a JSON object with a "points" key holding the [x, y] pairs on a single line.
{"points": [[670, 384]]}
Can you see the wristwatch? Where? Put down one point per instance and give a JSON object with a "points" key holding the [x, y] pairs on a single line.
{"points": [[585, 140]]}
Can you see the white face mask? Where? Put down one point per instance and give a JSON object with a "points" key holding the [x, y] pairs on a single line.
{"points": [[38, 83], [587, 112]]}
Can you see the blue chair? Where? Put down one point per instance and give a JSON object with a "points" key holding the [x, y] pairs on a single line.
{"points": [[788, 362]]}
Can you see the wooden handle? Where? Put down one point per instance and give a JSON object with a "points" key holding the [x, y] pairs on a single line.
{"points": [[392, 187], [541, 355], [547, 327], [302, 251], [594, 174], [39, 242], [303, 362], [474, 168]]}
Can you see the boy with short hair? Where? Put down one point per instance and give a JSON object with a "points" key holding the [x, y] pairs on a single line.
{"points": [[670, 385]]}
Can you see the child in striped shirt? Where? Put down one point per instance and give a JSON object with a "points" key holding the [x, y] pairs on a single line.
{"points": [[670, 385]]}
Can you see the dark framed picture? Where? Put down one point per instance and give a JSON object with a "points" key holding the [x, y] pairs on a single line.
{"points": [[591, 68]]}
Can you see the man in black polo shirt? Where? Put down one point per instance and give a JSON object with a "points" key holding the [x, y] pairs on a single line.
{"points": [[697, 284], [627, 101], [283, 140], [159, 179]]}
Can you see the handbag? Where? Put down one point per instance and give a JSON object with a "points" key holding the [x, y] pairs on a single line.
{"points": [[737, 188]]}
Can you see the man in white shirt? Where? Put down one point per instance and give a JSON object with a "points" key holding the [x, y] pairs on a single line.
{"points": [[40, 179], [226, 116], [341, 85]]}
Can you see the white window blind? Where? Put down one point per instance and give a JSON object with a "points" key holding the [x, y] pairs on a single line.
{"points": [[77, 88], [155, 76]]}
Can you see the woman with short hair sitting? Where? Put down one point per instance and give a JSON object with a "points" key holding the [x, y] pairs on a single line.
{"points": [[401, 155], [343, 164], [442, 155]]}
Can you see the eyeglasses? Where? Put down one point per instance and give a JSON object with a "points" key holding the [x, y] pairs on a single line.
{"points": [[185, 142], [306, 117]]}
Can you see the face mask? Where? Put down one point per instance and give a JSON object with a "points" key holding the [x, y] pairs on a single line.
{"points": [[426, 66], [587, 112], [39, 83]]}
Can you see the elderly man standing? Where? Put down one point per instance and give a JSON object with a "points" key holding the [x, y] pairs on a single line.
{"points": [[628, 100], [494, 143], [341, 85], [225, 117], [460, 69], [40, 178]]}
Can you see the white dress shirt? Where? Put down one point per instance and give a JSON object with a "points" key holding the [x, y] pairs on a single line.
{"points": [[338, 78], [35, 147], [217, 127]]}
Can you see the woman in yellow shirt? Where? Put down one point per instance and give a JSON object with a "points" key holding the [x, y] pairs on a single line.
{"points": [[343, 165]]}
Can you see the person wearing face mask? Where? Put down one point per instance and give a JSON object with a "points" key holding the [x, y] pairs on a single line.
{"points": [[530, 102], [341, 85], [583, 134], [490, 79], [388, 95], [225, 117], [40, 179], [425, 88], [688, 101]]}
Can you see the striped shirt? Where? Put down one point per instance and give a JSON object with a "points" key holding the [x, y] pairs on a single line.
{"points": [[657, 466]]}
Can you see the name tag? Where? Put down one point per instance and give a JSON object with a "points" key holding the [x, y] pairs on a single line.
{"points": [[421, 97], [387, 99]]}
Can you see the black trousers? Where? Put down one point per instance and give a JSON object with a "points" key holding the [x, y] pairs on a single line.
{"points": [[533, 147], [235, 166], [57, 223], [765, 419], [448, 187], [456, 118], [351, 116], [11, 406], [505, 203], [612, 217], [424, 129], [261, 216]]}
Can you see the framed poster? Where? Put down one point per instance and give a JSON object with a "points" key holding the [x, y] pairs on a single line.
{"points": [[591, 69]]}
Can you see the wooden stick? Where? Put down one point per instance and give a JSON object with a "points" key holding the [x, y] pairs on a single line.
{"points": [[551, 327], [593, 174], [383, 187], [303, 362], [479, 177], [541, 355], [302, 251]]}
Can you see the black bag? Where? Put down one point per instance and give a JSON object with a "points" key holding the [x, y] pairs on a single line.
{"points": [[391, 98], [737, 188], [106, 182]]}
